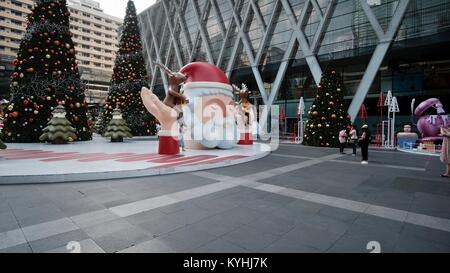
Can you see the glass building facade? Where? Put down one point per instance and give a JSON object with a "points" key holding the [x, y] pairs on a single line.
{"points": [[279, 48]]}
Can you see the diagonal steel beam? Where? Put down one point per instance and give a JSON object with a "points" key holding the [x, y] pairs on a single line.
{"points": [[148, 48], [317, 8], [372, 19], [385, 42], [258, 15], [172, 34], [322, 25], [182, 23], [200, 22], [219, 17], [269, 31], [158, 57], [228, 34], [242, 37]]}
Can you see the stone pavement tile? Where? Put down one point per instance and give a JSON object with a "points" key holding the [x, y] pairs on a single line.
{"points": [[269, 202], [108, 198], [413, 244], [378, 181], [304, 206], [94, 218], [273, 225], [104, 229], [246, 195], [357, 243], [261, 165], [312, 237], [343, 215], [28, 202], [431, 204], [186, 239], [250, 239], [220, 246], [8, 221], [375, 224], [122, 239], [322, 223], [120, 202], [216, 205], [153, 246], [241, 215], [296, 182], [411, 184], [387, 213], [225, 194], [11, 239], [4, 206], [90, 185], [287, 245], [391, 198], [350, 193], [36, 215], [48, 229], [177, 207], [57, 241], [144, 217], [161, 225], [62, 193], [192, 215], [218, 225], [432, 235], [20, 249], [79, 206], [87, 246]]}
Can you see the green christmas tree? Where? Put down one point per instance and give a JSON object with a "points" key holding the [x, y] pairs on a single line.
{"points": [[98, 128], [59, 129], [45, 76], [2, 145], [118, 128], [327, 116], [129, 76]]}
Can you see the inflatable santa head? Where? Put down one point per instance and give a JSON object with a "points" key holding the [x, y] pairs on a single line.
{"points": [[210, 115]]}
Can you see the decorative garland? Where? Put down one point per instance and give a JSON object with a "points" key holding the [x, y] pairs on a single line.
{"points": [[41, 84]]}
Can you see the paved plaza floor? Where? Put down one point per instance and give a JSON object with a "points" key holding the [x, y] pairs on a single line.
{"points": [[100, 159], [297, 200]]}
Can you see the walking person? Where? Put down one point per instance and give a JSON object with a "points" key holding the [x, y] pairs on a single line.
{"points": [[445, 153], [354, 139], [343, 136], [182, 128], [364, 142]]}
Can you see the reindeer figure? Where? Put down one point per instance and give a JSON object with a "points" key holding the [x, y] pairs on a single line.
{"points": [[175, 96], [244, 106]]}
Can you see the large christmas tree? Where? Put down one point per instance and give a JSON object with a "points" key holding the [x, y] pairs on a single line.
{"points": [[327, 116], [129, 76], [45, 76]]}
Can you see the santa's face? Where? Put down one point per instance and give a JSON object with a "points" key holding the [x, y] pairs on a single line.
{"points": [[211, 121]]}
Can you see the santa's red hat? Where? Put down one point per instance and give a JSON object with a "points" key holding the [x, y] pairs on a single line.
{"points": [[205, 79]]}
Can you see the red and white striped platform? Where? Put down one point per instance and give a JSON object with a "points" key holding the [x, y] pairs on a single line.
{"points": [[100, 159]]}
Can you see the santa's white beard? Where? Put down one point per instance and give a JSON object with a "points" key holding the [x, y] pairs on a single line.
{"points": [[219, 132]]}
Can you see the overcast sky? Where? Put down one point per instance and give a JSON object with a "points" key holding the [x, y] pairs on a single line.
{"points": [[118, 7]]}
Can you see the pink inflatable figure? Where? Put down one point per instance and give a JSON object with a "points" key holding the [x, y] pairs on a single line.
{"points": [[429, 125]]}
